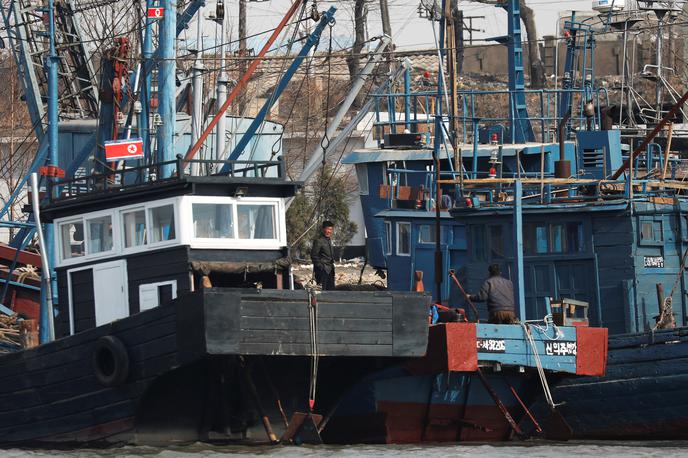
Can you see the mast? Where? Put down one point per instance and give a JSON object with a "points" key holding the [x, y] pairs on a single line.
{"points": [[221, 86], [197, 88], [48, 294], [167, 86], [439, 139]]}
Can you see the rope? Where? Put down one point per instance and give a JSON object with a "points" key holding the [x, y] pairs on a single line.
{"points": [[538, 363], [666, 310], [313, 328]]}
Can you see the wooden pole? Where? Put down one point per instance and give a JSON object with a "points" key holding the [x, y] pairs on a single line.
{"points": [[667, 150]]}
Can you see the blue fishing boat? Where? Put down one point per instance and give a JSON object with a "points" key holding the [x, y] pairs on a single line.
{"points": [[168, 311], [591, 230]]}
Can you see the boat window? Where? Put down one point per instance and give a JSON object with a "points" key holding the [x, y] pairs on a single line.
{"points": [[362, 177], [404, 239], [553, 238], [388, 239], [99, 234], [134, 228], [72, 239], [478, 249], [556, 238], [574, 238], [162, 223], [541, 239], [651, 232], [213, 221], [646, 231], [496, 242], [426, 234], [256, 221]]}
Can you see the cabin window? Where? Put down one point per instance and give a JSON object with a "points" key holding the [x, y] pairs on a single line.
{"points": [[553, 238], [162, 223], [213, 221], [256, 221], [152, 295], [72, 236], [362, 177], [388, 237], [541, 238], [574, 238], [99, 234], [134, 228], [650, 232], [496, 242], [426, 234], [556, 232], [478, 250], [404, 239]]}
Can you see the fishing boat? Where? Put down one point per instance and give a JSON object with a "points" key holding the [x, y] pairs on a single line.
{"points": [[589, 231], [168, 311]]}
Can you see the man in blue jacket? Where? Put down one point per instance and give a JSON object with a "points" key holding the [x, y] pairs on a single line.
{"points": [[499, 294]]}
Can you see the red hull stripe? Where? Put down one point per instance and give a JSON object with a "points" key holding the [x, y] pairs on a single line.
{"points": [[591, 354]]}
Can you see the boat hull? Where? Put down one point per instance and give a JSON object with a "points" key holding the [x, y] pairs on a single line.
{"points": [[643, 396], [199, 368]]}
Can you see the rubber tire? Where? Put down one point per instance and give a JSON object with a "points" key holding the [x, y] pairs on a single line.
{"points": [[110, 361]]}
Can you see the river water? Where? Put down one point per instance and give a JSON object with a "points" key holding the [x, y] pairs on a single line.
{"points": [[535, 449]]}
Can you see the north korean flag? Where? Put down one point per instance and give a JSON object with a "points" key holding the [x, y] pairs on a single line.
{"points": [[156, 12], [122, 150]]}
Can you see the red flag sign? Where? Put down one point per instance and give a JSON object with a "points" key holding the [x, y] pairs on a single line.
{"points": [[121, 150], [156, 13]]}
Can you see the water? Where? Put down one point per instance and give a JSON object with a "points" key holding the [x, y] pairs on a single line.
{"points": [[536, 449]]}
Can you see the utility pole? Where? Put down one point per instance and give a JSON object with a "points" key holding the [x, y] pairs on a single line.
{"points": [[386, 26], [457, 15], [242, 50], [221, 86]]}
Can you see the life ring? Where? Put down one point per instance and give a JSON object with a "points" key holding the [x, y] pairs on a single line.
{"points": [[110, 361]]}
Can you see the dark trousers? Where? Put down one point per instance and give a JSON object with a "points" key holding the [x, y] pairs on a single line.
{"points": [[503, 318], [323, 278]]}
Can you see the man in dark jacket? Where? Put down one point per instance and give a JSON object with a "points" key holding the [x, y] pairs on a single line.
{"points": [[499, 294], [322, 255]]}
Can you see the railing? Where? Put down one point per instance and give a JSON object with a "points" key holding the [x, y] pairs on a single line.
{"points": [[645, 181], [133, 177], [476, 110]]}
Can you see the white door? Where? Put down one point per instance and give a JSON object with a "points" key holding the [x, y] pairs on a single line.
{"points": [[110, 291]]}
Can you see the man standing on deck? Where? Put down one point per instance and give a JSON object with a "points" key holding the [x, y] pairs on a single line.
{"points": [[499, 294], [322, 255]]}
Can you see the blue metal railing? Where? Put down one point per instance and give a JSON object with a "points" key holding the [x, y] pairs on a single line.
{"points": [[422, 112]]}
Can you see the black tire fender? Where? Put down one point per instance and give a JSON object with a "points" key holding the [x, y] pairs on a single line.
{"points": [[110, 361]]}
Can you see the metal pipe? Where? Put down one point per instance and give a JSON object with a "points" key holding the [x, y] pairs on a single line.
{"points": [[47, 333], [519, 285], [144, 118], [221, 98], [197, 88], [407, 98], [243, 81], [439, 139], [167, 87], [53, 134]]}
